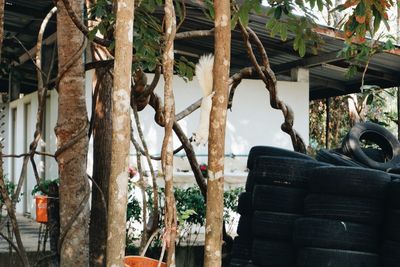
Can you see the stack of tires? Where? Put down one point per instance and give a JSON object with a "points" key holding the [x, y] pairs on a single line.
{"points": [[391, 243], [344, 211], [241, 249], [276, 186]]}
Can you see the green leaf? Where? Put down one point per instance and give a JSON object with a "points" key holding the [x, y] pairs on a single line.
{"points": [[360, 9], [370, 99], [189, 73], [278, 12], [284, 32], [244, 16], [388, 45], [276, 29], [271, 23], [320, 4], [182, 67], [234, 20], [312, 4], [296, 43], [302, 47], [377, 22]]}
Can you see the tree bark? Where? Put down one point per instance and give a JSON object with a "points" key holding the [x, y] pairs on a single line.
{"points": [[354, 115], [71, 132], [216, 144], [167, 147], [121, 130], [102, 127]]}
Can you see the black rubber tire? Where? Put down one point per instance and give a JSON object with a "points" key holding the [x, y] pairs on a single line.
{"points": [[238, 263], [274, 225], [244, 226], [349, 181], [332, 234], [390, 254], [377, 134], [244, 204], [350, 209], [257, 151], [394, 174], [392, 228], [273, 253], [290, 172], [278, 199], [319, 257], [241, 248], [394, 194], [375, 154], [337, 159]]}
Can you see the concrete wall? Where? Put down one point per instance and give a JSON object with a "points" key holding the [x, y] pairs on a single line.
{"points": [[20, 133], [251, 122]]}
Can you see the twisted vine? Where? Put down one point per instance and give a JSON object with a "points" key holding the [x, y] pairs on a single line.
{"points": [[268, 77]]}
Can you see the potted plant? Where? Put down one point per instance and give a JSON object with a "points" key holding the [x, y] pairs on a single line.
{"points": [[41, 192]]}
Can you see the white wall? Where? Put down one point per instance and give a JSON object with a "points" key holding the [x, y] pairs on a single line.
{"points": [[251, 122], [23, 112]]}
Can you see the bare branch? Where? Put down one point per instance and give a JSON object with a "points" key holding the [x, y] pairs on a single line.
{"points": [[153, 175], [187, 111], [194, 34], [184, 15], [27, 154]]}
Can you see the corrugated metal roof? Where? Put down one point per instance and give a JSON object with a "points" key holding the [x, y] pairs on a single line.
{"points": [[23, 18]]}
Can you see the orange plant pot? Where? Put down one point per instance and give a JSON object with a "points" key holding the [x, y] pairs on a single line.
{"points": [[41, 209], [140, 261]]}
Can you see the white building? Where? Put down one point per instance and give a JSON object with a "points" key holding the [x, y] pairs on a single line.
{"points": [[251, 122]]}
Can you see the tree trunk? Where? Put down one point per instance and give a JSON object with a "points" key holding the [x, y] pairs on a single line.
{"points": [[102, 127], [120, 141], [216, 144], [167, 148], [71, 132], [352, 103]]}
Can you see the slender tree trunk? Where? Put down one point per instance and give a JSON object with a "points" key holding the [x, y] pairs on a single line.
{"points": [[102, 127], [121, 132], [167, 148], [352, 103], [71, 132], [216, 144]]}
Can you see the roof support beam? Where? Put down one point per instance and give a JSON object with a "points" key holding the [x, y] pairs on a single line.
{"points": [[308, 62], [32, 52], [322, 82], [25, 11]]}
